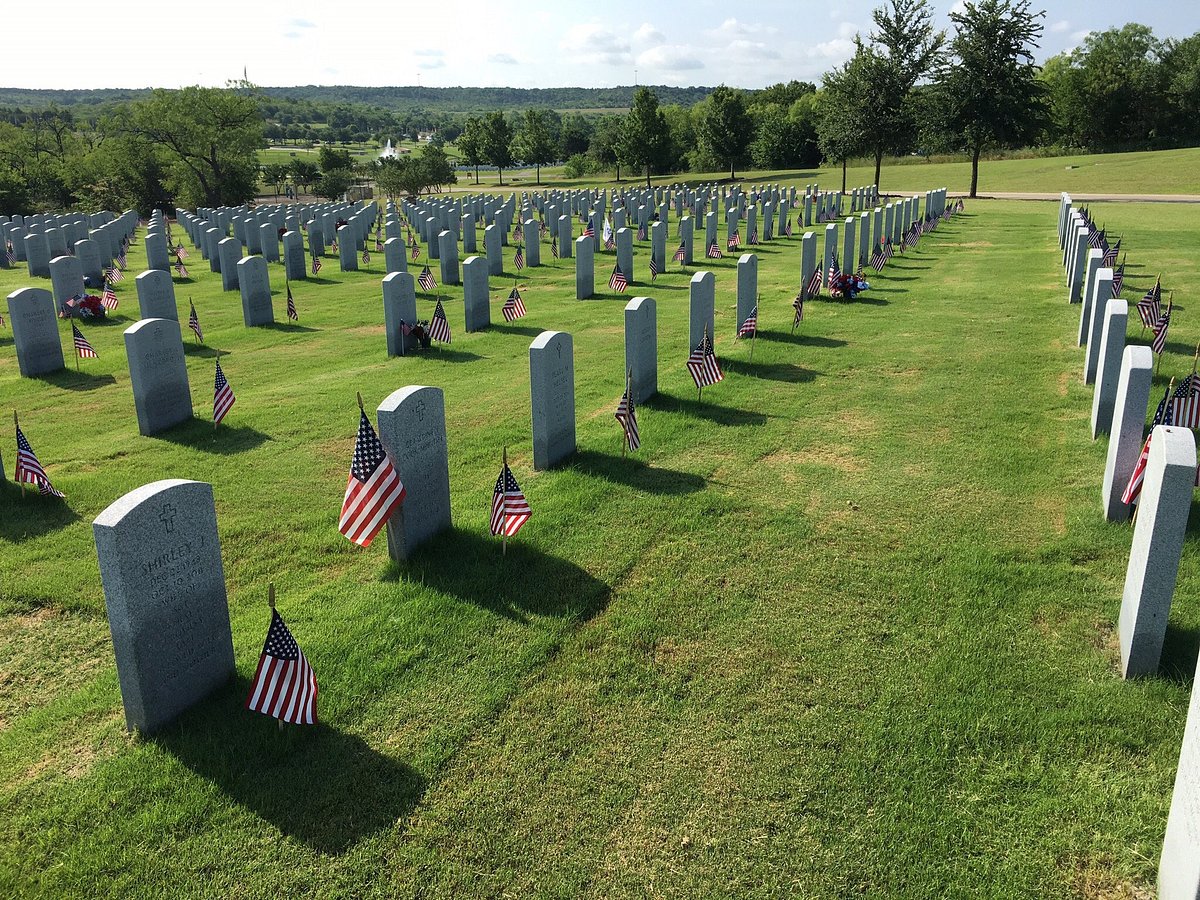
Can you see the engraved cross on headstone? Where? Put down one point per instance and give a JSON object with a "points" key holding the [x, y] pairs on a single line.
{"points": [[167, 516]]}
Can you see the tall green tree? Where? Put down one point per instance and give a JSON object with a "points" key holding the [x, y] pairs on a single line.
{"points": [[725, 129], [304, 172], [605, 144], [206, 137], [436, 165], [645, 139], [843, 109], [497, 142], [471, 144], [536, 141], [988, 94]]}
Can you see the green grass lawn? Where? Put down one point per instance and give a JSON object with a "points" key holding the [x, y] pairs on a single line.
{"points": [[844, 628]]}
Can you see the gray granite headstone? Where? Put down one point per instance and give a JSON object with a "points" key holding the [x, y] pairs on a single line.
{"points": [[158, 374], [56, 242], [37, 255], [747, 286], [702, 295], [66, 279], [476, 298], [1108, 371], [164, 591], [399, 310], [808, 258], [268, 241], [1179, 865], [1101, 294], [34, 326], [565, 239], [625, 253], [448, 257], [1129, 418], [230, 252], [255, 285], [347, 252], [156, 252], [1089, 289], [468, 233], [1158, 534], [641, 347], [492, 248], [412, 427], [395, 255], [585, 268], [295, 264], [89, 260], [552, 395], [156, 295]]}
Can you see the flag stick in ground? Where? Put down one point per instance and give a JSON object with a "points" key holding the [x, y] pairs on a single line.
{"points": [[755, 333], [504, 515], [17, 424], [628, 385], [1157, 363], [271, 604]]}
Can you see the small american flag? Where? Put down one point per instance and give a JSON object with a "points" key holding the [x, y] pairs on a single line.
{"points": [[9, 254], [121, 259], [1159, 344], [285, 686], [510, 509], [108, 299], [1110, 255], [1162, 416], [334, 245], [554, 247], [181, 269], [834, 269], [439, 328], [714, 252], [641, 233], [1185, 403], [426, 280], [798, 306], [609, 243], [112, 274], [29, 470], [754, 236], [415, 252], [1150, 306], [514, 307], [291, 306], [519, 258], [181, 252], [82, 347], [626, 415], [888, 253], [813, 288], [788, 228], [1097, 240], [194, 323], [588, 231], [750, 326], [222, 396], [654, 268], [617, 280], [366, 257], [679, 253], [1118, 281], [735, 241], [316, 266], [373, 490], [703, 363]]}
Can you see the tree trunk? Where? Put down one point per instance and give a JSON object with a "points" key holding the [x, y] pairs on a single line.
{"points": [[843, 176], [477, 173], [500, 171], [538, 168], [878, 166], [732, 176], [647, 177], [618, 172], [975, 169]]}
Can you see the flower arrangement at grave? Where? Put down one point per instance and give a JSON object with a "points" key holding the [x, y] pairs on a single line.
{"points": [[85, 307], [421, 332], [847, 286]]}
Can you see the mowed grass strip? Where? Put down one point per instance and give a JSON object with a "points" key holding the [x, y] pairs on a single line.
{"points": [[845, 626]]}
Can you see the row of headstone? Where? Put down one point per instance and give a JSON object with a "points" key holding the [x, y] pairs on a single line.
{"points": [[1122, 376]]}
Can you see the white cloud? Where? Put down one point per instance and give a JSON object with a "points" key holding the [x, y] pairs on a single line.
{"points": [[670, 58], [432, 64], [302, 23], [648, 34], [597, 43], [837, 50], [428, 52], [503, 59], [960, 7], [732, 28], [847, 29], [742, 50], [1059, 27]]}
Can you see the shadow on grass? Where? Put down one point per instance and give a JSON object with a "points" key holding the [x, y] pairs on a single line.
{"points": [[520, 582], [527, 330], [801, 339], [201, 350], [76, 380], [635, 473], [789, 372], [287, 327], [1181, 647], [440, 353], [878, 301], [703, 409], [322, 787], [31, 515], [224, 440], [6, 339]]}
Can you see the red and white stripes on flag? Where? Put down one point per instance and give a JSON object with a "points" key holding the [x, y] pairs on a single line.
{"points": [[194, 323], [439, 327], [703, 363], [82, 347], [510, 509], [626, 415], [426, 280], [519, 258], [109, 298], [373, 490], [285, 686], [750, 326], [29, 470], [514, 306], [222, 396]]}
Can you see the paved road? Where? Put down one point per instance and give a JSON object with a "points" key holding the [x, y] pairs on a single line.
{"points": [[1087, 198]]}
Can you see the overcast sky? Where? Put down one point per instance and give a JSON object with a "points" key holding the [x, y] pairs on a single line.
{"points": [[552, 43]]}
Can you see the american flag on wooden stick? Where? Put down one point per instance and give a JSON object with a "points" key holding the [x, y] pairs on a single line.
{"points": [[108, 299], [510, 509], [714, 252], [29, 470], [291, 305], [798, 306], [194, 323], [1150, 306], [514, 307], [1162, 416], [316, 266], [519, 258], [1185, 402], [373, 490], [554, 247], [735, 241], [82, 347], [654, 268], [702, 363], [1118, 279], [284, 686], [617, 280], [626, 415], [223, 398], [1110, 255], [112, 274], [1159, 344], [813, 288], [439, 327], [680, 253], [750, 326], [426, 280]]}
